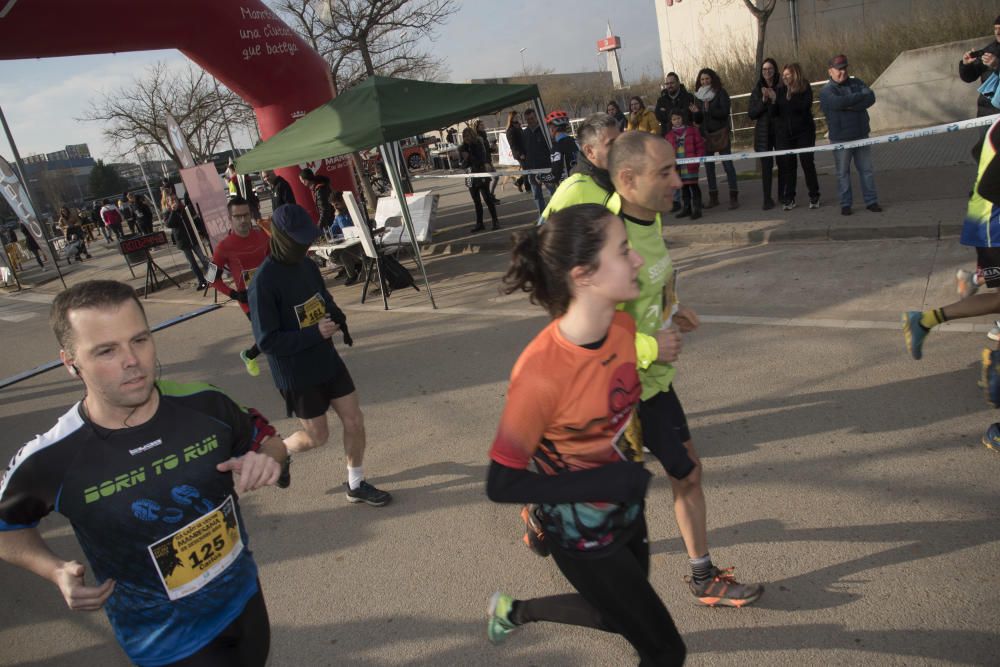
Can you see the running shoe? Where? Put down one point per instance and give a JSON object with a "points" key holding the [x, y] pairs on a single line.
{"points": [[994, 332], [788, 205], [992, 437], [366, 493], [534, 534], [285, 478], [499, 624], [814, 202], [914, 333], [253, 368], [965, 283], [721, 589]]}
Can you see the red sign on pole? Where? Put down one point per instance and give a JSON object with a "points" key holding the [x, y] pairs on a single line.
{"points": [[609, 44]]}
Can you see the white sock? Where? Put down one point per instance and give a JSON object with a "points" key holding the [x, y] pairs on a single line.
{"points": [[355, 476]]}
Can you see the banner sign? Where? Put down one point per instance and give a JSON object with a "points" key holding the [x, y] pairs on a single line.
{"points": [[137, 243], [17, 197], [179, 143], [204, 186], [504, 152]]}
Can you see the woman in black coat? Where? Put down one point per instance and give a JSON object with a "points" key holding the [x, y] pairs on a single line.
{"points": [[762, 102], [515, 139], [615, 112], [795, 128], [474, 158]]}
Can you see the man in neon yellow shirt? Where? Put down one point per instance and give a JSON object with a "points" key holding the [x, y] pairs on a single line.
{"points": [[589, 182], [643, 170]]}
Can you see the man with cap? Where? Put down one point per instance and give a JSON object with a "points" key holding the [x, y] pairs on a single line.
{"points": [[845, 101], [294, 319]]}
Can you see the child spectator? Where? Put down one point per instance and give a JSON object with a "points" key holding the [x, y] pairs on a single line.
{"points": [[687, 143]]}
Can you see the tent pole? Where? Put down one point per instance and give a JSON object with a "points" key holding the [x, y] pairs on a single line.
{"points": [[385, 150], [540, 112]]}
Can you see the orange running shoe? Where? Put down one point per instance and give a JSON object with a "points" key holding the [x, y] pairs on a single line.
{"points": [[721, 589]]}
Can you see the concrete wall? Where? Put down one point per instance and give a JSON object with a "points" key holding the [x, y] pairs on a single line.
{"points": [[921, 87]]}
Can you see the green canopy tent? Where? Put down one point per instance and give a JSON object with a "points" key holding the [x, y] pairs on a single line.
{"points": [[380, 111]]}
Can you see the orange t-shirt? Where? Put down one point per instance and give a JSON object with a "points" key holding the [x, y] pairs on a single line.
{"points": [[567, 409]]}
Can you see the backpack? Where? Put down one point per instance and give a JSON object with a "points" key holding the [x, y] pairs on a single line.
{"points": [[395, 274]]}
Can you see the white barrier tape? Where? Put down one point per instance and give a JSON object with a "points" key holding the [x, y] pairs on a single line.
{"points": [[487, 174], [870, 141]]}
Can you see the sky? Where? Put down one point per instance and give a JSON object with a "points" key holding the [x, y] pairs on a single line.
{"points": [[42, 98]]}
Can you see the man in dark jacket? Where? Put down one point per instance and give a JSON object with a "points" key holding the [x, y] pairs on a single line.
{"points": [[673, 97], [281, 191], [538, 154], [978, 65], [294, 319], [186, 239], [320, 187], [845, 101]]}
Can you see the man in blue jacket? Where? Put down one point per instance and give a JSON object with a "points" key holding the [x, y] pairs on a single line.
{"points": [[294, 318], [845, 101]]}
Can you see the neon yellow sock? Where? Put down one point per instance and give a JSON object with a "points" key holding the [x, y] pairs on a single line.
{"points": [[931, 318]]}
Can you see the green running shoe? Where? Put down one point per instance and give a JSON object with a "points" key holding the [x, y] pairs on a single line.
{"points": [[914, 333], [253, 368], [499, 624]]}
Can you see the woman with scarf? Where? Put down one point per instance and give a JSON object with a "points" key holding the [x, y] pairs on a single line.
{"points": [[762, 103], [615, 112], [711, 112]]}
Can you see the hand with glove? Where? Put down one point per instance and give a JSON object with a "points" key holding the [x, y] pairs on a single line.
{"points": [[239, 295], [347, 334]]}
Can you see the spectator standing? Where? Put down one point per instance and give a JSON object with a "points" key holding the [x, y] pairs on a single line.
{"points": [[515, 139], [564, 149], [845, 101], [125, 206], [485, 138], [143, 213], [95, 215], [795, 128], [186, 239], [281, 191], [674, 96], [615, 112], [538, 155], [978, 65], [473, 156], [112, 218], [687, 143], [320, 187], [711, 111], [641, 118], [761, 110], [32, 246]]}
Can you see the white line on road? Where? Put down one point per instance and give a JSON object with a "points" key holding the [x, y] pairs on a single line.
{"points": [[17, 317]]}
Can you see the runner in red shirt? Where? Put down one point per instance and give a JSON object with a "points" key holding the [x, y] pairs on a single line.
{"points": [[240, 254]]}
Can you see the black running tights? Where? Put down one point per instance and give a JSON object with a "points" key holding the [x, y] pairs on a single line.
{"points": [[243, 643], [614, 595]]}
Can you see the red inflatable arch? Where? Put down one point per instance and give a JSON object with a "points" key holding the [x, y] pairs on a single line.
{"points": [[240, 42]]}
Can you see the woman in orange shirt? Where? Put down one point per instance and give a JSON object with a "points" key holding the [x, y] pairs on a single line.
{"points": [[569, 410]]}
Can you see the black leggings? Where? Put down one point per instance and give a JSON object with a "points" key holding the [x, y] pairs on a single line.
{"points": [[253, 352], [766, 175], [480, 190], [243, 643], [614, 596]]}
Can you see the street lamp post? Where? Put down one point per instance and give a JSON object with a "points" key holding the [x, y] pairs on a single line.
{"points": [[524, 68]]}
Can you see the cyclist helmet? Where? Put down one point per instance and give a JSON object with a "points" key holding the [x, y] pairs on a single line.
{"points": [[557, 118]]}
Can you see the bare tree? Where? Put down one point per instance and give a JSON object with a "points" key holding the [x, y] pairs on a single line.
{"points": [[360, 38], [761, 10], [134, 116]]}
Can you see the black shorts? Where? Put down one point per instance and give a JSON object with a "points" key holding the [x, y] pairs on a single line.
{"points": [[664, 432], [314, 401], [988, 260]]}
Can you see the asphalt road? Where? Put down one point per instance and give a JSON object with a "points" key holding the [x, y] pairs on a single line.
{"points": [[847, 477]]}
